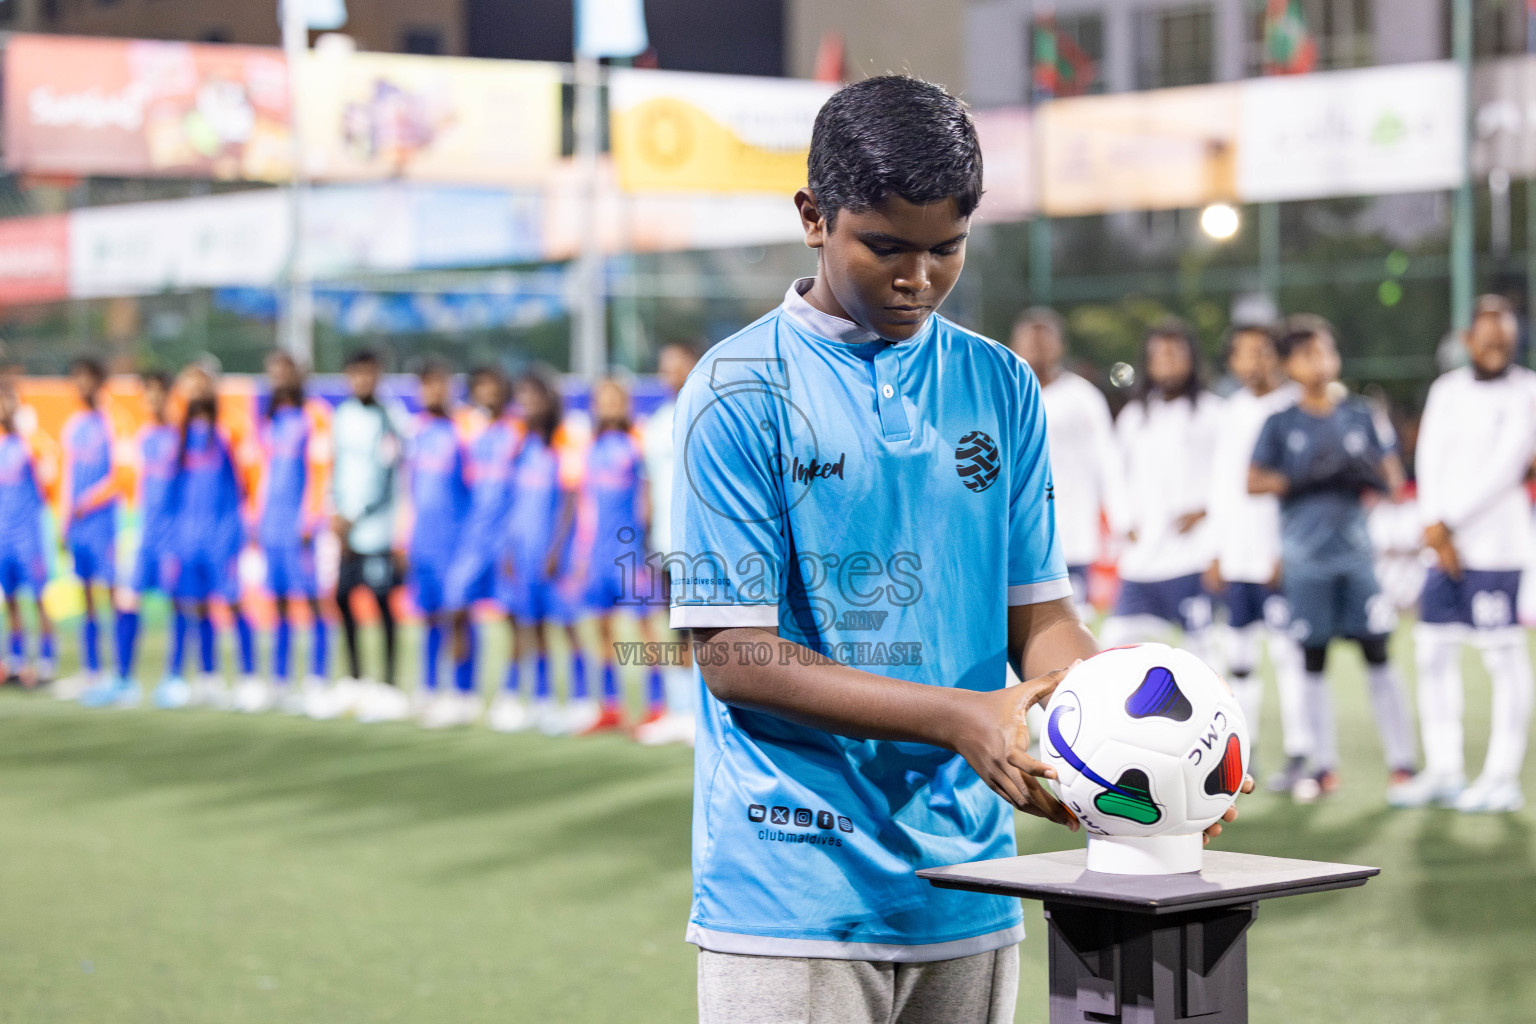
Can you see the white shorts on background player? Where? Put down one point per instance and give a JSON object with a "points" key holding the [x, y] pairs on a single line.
{"points": [[841, 489]]}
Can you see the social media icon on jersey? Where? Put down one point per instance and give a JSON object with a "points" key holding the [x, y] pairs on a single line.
{"points": [[844, 824], [802, 817], [757, 812], [780, 816], [823, 819]]}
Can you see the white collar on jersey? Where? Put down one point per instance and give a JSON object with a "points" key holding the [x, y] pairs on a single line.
{"points": [[823, 325]]}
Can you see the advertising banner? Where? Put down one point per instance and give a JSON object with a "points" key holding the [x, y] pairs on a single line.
{"points": [[34, 259], [145, 248], [1504, 116], [142, 108], [1008, 161], [1379, 130], [1157, 150], [679, 131], [440, 119]]}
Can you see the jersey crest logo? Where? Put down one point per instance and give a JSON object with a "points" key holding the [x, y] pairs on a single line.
{"points": [[976, 461]]}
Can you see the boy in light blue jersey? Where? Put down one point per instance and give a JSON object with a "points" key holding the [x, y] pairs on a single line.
{"points": [[865, 540], [435, 469], [23, 558], [155, 452], [472, 574]]}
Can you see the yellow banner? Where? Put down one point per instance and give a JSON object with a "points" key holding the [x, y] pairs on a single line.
{"points": [[676, 131], [368, 116]]}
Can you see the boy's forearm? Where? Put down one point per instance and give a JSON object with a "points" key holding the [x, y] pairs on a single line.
{"points": [[1046, 637], [803, 686]]}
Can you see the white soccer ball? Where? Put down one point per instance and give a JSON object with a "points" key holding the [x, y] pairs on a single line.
{"points": [[1146, 741]]}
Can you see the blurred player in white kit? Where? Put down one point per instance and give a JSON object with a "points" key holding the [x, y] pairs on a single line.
{"points": [[1476, 444], [1081, 432], [1246, 531]]}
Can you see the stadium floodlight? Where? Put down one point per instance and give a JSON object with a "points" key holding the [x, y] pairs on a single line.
{"points": [[1220, 221]]}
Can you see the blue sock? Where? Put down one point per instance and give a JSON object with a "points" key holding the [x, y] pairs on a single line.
{"points": [[579, 689], [91, 640], [434, 655], [464, 669], [247, 641], [514, 682], [178, 643], [655, 692], [127, 636], [541, 678], [610, 685], [282, 639], [205, 644], [18, 649], [319, 649], [46, 647]]}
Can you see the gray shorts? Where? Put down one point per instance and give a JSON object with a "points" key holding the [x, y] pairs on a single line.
{"points": [[736, 989]]}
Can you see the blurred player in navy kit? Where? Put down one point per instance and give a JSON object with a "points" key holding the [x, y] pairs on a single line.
{"points": [[1319, 457]]}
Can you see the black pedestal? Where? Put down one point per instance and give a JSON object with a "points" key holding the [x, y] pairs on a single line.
{"points": [[1149, 949]]}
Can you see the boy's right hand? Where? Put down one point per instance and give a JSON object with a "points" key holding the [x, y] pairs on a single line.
{"points": [[993, 737]]}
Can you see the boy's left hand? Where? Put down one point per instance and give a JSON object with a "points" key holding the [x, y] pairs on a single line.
{"points": [[1231, 815]]}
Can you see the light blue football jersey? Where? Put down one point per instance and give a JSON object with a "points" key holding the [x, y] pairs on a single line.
{"points": [[882, 503]]}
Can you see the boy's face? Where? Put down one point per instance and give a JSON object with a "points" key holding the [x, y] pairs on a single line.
{"points": [[487, 393], [673, 365], [1491, 343], [1253, 360], [155, 398], [1315, 363], [610, 404], [1168, 363], [9, 403], [363, 378], [434, 391], [890, 267], [282, 372], [86, 384], [1038, 345], [532, 401]]}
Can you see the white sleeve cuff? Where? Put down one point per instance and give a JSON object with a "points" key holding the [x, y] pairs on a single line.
{"points": [[1037, 593], [724, 616]]}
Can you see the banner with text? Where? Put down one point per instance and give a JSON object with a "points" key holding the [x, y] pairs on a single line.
{"points": [[679, 131], [133, 107], [440, 119], [34, 259]]}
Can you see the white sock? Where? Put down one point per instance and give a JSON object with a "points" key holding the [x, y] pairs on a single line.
{"points": [[1325, 734], [1285, 656], [1241, 651], [1509, 665], [1438, 652], [1389, 701]]}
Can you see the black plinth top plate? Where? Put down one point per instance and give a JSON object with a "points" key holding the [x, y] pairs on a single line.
{"points": [[1225, 879]]}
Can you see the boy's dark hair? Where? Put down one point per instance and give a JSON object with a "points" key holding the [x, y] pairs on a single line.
{"points": [[893, 136], [1298, 329], [361, 357], [1042, 316], [90, 367], [1173, 329], [542, 379], [433, 369], [158, 378], [1229, 339]]}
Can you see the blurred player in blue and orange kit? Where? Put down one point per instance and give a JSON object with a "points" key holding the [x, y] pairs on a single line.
{"points": [[439, 493], [295, 450], [23, 554], [155, 465], [472, 574], [611, 531], [206, 537], [534, 584], [88, 521]]}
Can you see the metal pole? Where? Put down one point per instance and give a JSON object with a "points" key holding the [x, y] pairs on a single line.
{"points": [[589, 342], [296, 329], [1269, 252], [1040, 260], [1463, 271]]}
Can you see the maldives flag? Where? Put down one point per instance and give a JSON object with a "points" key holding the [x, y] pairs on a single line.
{"points": [[1061, 68], [1289, 48]]}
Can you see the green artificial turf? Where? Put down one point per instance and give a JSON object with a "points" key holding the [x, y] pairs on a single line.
{"points": [[206, 867]]}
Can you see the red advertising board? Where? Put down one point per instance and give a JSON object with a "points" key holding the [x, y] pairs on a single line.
{"points": [[34, 259], [136, 107]]}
